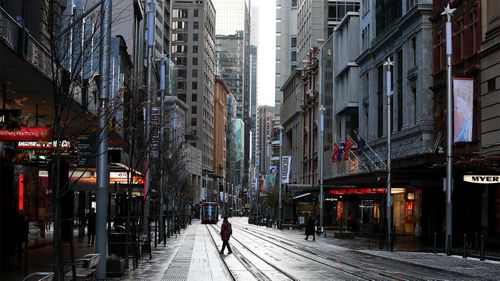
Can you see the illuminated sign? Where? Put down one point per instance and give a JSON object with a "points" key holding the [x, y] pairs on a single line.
{"points": [[63, 144], [357, 191], [25, 134], [123, 178], [482, 179], [21, 192], [43, 174]]}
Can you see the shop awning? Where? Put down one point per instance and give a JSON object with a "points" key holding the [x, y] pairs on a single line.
{"points": [[302, 195]]}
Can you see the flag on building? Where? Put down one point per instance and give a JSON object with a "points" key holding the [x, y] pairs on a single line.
{"points": [[335, 151], [348, 145]]}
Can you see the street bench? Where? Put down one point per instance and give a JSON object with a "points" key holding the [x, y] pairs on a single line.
{"points": [[87, 269], [39, 276]]}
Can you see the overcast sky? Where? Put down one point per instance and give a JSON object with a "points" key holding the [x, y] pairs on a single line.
{"points": [[266, 51]]}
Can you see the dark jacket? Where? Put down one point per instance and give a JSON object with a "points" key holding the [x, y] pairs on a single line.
{"points": [[91, 222], [310, 226], [225, 231]]}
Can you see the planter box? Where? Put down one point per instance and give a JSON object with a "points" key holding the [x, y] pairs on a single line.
{"points": [[115, 267]]}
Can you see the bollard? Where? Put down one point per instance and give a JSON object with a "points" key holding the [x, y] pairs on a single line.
{"points": [[435, 243], [465, 247], [481, 257], [475, 251]]}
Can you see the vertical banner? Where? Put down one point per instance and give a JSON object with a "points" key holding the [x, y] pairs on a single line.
{"points": [[462, 109], [286, 161]]}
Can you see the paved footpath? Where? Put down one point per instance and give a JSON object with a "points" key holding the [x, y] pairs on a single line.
{"points": [[190, 256]]}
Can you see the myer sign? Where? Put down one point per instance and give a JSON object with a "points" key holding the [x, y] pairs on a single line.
{"points": [[482, 179]]}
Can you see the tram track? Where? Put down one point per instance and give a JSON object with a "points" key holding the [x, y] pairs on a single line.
{"points": [[362, 273], [367, 267], [247, 263]]}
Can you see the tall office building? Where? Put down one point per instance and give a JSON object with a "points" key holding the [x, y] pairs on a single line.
{"points": [[230, 47], [162, 28], [253, 102], [193, 47], [265, 116], [286, 45], [233, 64]]}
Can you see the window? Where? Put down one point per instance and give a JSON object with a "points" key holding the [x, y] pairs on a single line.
{"points": [[194, 97], [194, 109], [181, 85], [195, 36], [182, 73], [194, 73], [195, 12], [180, 13], [180, 49], [294, 42], [180, 25], [492, 85], [194, 85], [386, 13], [380, 101], [180, 61], [193, 121], [195, 61], [182, 97], [180, 37], [195, 49], [413, 46], [400, 88], [195, 25]]}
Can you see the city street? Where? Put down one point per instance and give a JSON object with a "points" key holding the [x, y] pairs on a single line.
{"points": [[261, 253]]}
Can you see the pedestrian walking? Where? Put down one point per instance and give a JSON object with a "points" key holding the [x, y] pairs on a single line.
{"points": [[310, 229], [91, 226], [225, 233]]}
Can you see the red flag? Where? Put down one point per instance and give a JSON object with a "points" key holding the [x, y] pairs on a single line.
{"points": [[335, 152], [348, 145]]}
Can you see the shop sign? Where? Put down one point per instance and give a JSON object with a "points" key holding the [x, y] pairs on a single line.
{"points": [[43, 174], [25, 134], [86, 156], [9, 118], [63, 144], [357, 191], [482, 179]]}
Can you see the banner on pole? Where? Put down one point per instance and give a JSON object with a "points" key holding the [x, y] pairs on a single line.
{"points": [[286, 161], [463, 89]]}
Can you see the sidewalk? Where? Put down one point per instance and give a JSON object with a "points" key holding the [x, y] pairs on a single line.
{"points": [[42, 258], [190, 256]]}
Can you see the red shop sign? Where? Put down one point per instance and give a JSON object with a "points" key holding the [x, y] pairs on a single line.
{"points": [[26, 134]]}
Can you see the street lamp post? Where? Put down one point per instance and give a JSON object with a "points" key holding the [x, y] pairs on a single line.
{"points": [[150, 42], [102, 151], [449, 165], [280, 205], [321, 134], [320, 156], [389, 64], [163, 61]]}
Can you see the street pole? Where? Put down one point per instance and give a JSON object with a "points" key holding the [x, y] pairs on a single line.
{"points": [[102, 151], [321, 176], [389, 64], [320, 140], [150, 42], [163, 60], [280, 205], [449, 165]]}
